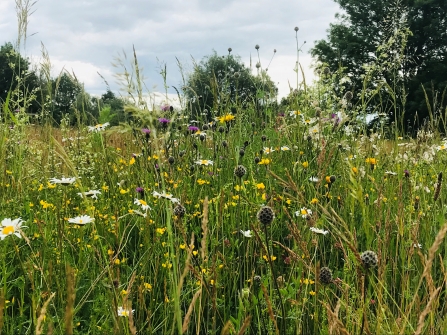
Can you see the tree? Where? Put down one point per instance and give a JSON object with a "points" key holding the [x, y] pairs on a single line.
{"points": [[397, 47], [112, 109], [221, 83], [17, 79], [66, 90]]}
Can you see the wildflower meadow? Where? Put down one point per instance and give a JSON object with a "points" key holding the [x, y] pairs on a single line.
{"points": [[251, 218]]}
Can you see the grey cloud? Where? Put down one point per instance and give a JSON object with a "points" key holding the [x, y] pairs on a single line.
{"points": [[96, 31]]}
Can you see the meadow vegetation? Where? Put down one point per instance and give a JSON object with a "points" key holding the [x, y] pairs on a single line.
{"points": [[258, 218]]}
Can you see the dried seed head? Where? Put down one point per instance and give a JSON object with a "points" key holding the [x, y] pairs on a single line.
{"points": [[369, 259], [229, 50], [257, 46], [179, 211], [348, 96], [325, 275], [265, 215], [296, 28], [257, 160], [332, 179], [240, 171], [241, 152]]}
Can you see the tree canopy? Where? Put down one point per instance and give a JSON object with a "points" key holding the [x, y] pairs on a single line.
{"points": [[221, 82], [399, 46], [17, 78]]}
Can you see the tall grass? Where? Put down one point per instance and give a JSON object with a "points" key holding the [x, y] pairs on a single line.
{"points": [[336, 192]]}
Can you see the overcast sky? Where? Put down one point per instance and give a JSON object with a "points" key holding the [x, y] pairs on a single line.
{"points": [[85, 36]]}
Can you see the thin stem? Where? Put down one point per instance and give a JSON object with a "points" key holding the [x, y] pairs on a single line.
{"points": [[283, 321]]}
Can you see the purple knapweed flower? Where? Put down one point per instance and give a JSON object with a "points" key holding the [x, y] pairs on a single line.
{"points": [[140, 191], [164, 121], [193, 129]]}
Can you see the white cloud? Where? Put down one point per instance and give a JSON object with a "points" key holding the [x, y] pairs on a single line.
{"points": [[85, 36]]}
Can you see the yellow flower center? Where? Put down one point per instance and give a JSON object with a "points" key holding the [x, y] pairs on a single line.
{"points": [[8, 230], [80, 220]]}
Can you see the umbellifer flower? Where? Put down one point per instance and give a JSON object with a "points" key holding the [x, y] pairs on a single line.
{"points": [[11, 227], [63, 181], [81, 220]]}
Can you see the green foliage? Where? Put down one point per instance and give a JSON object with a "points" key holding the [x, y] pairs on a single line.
{"points": [[394, 44], [17, 77], [219, 83]]}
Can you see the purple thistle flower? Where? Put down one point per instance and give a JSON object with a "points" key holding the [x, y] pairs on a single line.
{"points": [[164, 121], [165, 107], [146, 131], [140, 190], [407, 173], [193, 129]]}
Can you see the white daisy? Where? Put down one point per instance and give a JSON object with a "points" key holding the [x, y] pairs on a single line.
{"points": [[304, 212], [204, 162], [285, 148], [11, 227], [166, 196], [318, 231], [124, 312], [63, 181], [81, 220], [314, 179], [98, 127], [246, 233], [268, 150], [90, 194], [295, 113], [142, 203]]}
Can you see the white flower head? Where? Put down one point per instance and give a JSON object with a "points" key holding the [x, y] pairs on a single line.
{"points": [[124, 312], [204, 162], [142, 203], [63, 181], [295, 113], [318, 231], [285, 148], [98, 127], [304, 212], [11, 227], [90, 194], [165, 195], [391, 173], [81, 220], [267, 150], [314, 179], [246, 233]]}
